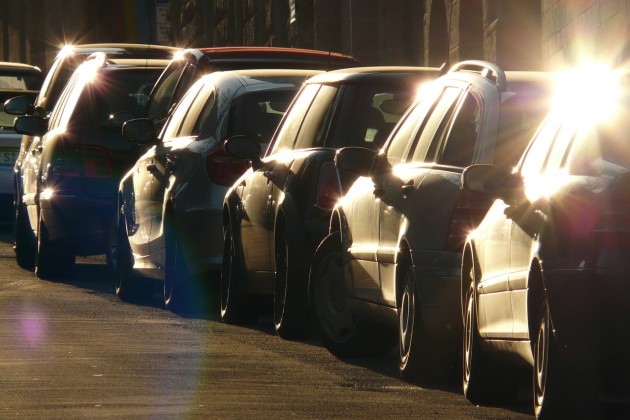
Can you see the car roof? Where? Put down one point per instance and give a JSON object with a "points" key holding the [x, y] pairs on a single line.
{"points": [[20, 67], [253, 57], [122, 49], [372, 74]]}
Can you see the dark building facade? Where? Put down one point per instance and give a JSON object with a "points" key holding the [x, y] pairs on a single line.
{"points": [[516, 34]]}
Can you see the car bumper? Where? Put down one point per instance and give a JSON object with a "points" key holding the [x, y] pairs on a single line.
{"points": [[82, 223], [438, 275]]}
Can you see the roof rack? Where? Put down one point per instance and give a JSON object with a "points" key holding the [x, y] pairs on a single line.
{"points": [[487, 70]]}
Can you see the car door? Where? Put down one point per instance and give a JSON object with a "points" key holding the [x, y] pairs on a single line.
{"points": [[156, 167], [256, 223], [404, 197], [541, 171]]}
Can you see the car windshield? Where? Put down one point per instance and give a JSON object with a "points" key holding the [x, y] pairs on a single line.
{"points": [[519, 118], [257, 115], [603, 149], [117, 91], [367, 115]]}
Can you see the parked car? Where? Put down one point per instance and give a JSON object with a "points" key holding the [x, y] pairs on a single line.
{"points": [[16, 79], [71, 175], [66, 62], [389, 269], [190, 64], [170, 202], [545, 274], [277, 212]]}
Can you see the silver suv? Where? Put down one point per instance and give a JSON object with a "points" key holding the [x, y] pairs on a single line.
{"points": [[389, 269]]}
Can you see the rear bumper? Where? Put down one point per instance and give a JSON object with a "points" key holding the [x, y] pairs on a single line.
{"points": [[78, 222]]}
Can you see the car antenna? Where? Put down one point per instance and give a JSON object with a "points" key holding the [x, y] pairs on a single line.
{"points": [[332, 38]]}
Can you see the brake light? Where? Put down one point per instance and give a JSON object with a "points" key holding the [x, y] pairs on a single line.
{"points": [[328, 187], [223, 169], [470, 210]]}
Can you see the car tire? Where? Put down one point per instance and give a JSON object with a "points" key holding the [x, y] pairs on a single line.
{"points": [[416, 357], [549, 382], [236, 306], [343, 333], [24, 240], [290, 302], [53, 259], [177, 278], [128, 285], [483, 382]]}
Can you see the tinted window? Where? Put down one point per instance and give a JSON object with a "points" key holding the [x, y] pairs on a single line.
{"points": [[175, 121], [291, 125], [363, 119], [536, 154], [603, 149], [257, 115], [19, 81], [316, 124], [519, 117], [163, 92], [428, 144], [462, 138], [111, 92]]}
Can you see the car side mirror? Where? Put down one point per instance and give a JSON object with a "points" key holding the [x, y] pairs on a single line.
{"points": [[31, 125], [18, 105], [140, 130], [118, 119], [356, 160], [243, 147]]}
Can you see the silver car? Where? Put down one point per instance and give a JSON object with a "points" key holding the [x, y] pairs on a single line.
{"points": [[170, 203], [16, 79]]}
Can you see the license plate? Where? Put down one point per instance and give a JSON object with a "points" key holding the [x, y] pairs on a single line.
{"points": [[8, 157]]}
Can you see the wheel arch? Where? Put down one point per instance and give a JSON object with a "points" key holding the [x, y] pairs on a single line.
{"points": [[536, 295], [404, 259]]}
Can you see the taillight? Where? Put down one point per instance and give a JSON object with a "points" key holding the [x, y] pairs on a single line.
{"points": [[328, 187], [468, 213], [96, 163], [223, 169]]}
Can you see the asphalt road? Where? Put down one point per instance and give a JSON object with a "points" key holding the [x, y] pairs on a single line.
{"points": [[70, 349]]}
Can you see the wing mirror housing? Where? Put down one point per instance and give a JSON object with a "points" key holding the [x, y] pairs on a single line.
{"points": [[140, 130], [243, 147], [355, 160], [18, 105], [31, 125]]}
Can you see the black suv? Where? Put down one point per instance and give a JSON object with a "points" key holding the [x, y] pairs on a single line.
{"points": [[277, 212], [66, 62], [71, 178]]}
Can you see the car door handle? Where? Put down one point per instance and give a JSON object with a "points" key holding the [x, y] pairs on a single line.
{"points": [[151, 167], [171, 163], [408, 188]]}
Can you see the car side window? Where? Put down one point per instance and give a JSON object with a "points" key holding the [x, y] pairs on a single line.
{"points": [[535, 157], [426, 148], [176, 120], [291, 124], [312, 132], [162, 93], [459, 147], [203, 104]]}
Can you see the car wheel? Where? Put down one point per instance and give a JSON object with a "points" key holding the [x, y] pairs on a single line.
{"points": [[414, 355], [128, 284], [177, 279], [25, 243], [548, 378], [236, 307], [53, 259], [343, 333], [483, 382], [290, 309]]}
